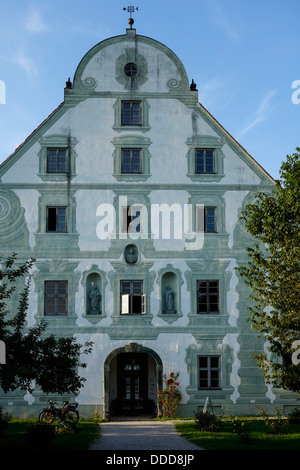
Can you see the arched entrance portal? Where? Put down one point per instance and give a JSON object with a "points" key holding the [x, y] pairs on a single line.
{"points": [[132, 375]]}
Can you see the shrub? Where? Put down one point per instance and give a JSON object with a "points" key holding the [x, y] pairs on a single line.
{"points": [[207, 422], [241, 429], [4, 419], [294, 416], [277, 424], [170, 396]]}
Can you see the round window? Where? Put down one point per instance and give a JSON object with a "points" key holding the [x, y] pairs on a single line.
{"points": [[130, 70]]}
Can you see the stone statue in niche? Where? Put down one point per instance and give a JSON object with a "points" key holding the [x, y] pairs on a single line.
{"points": [[169, 300], [131, 254], [94, 300]]}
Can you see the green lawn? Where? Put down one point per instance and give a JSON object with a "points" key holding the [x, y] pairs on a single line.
{"points": [[15, 436], [260, 437]]}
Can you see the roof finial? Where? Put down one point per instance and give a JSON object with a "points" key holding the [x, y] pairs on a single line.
{"points": [[131, 9]]}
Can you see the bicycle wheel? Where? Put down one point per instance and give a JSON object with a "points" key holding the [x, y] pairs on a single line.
{"points": [[71, 416], [46, 417]]}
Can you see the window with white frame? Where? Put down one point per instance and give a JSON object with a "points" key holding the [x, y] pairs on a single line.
{"points": [[209, 372]]}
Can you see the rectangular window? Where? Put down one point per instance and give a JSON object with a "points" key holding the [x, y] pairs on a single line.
{"points": [[131, 114], [208, 297], [131, 161], [56, 219], [132, 297], [204, 161], [206, 219], [57, 160], [209, 372], [131, 219], [56, 297]]}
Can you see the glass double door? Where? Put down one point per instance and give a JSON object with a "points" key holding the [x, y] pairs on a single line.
{"points": [[132, 383]]}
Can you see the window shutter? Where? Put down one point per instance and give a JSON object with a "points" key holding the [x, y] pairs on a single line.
{"points": [[143, 304], [124, 304]]}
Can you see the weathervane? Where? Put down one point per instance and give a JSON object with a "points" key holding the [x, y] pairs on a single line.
{"points": [[131, 9]]}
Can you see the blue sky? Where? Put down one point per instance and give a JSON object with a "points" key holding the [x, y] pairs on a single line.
{"points": [[242, 54]]}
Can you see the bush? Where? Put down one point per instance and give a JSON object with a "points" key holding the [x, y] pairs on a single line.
{"points": [[207, 422], [170, 396], [40, 434], [241, 429], [294, 416], [277, 424], [4, 419]]}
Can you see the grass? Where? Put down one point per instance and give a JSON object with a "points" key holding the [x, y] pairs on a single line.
{"points": [[260, 436], [15, 436]]}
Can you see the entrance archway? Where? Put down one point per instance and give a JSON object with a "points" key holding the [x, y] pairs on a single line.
{"points": [[132, 376]]}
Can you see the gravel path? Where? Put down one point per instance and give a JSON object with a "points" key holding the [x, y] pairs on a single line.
{"points": [[141, 435]]}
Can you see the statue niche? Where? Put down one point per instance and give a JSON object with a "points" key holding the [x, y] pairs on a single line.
{"points": [[93, 288], [169, 293]]}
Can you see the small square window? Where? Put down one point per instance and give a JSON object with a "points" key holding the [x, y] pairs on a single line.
{"points": [[56, 219], [131, 161], [207, 296], [131, 113], [206, 219], [131, 219], [209, 372], [132, 297], [204, 161], [57, 161], [56, 297]]}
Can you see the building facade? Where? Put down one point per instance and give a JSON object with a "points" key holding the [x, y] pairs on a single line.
{"points": [[129, 197]]}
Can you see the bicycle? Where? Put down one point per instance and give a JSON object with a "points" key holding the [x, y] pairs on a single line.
{"points": [[66, 415]]}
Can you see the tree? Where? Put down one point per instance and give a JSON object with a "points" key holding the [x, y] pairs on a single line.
{"points": [[273, 274], [32, 356]]}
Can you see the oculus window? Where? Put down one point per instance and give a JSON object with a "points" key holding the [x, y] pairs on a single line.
{"points": [[130, 69]]}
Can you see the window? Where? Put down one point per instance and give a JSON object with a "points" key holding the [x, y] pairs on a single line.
{"points": [[209, 372], [57, 160], [204, 161], [208, 297], [56, 298], [131, 161], [132, 297], [56, 219], [130, 69], [131, 113], [206, 219], [131, 219]]}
